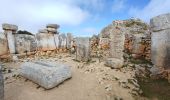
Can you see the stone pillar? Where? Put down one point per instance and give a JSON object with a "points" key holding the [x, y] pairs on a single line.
{"points": [[160, 41], [9, 30], [83, 49], [1, 86], [62, 41]]}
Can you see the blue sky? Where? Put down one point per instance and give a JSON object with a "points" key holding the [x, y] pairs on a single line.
{"points": [[80, 17]]}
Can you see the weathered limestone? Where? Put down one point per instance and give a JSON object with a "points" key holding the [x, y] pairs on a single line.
{"points": [[25, 43], [83, 48], [3, 44], [10, 27], [46, 41], [46, 74], [52, 28], [160, 48], [69, 40], [62, 41], [9, 30], [56, 40], [1, 86], [161, 22], [117, 38]]}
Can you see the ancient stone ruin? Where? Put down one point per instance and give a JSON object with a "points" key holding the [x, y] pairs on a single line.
{"points": [[122, 53]]}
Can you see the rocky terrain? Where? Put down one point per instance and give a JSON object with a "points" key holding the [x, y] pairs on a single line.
{"points": [[123, 62]]}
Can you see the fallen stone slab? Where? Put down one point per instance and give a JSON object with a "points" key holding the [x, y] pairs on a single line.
{"points": [[1, 86], [46, 74]]}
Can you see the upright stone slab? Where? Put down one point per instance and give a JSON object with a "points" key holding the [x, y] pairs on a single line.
{"points": [[46, 74], [25, 43], [1, 86], [45, 40], [56, 39], [42, 41], [160, 45], [9, 29], [69, 40], [62, 41], [83, 48], [3, 44], [117, 38]]}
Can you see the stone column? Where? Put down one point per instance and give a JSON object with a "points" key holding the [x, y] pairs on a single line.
{"points": [[9, 29], [1, 86], [83, 49], [160, 41]]}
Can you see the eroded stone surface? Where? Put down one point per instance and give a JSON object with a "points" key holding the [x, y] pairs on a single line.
{"points": [[83, 49], [25, 43], [11, 27], [46, 74], [3, 44], [160, 48]]}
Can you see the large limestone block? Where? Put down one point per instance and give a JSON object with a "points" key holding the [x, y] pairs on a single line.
{"points": [[160, 48], [46, 74], [83, 48], [45, 41], [69, 40], [1, 86], [3, 44], [56, 39], [25, 43], [117, 43], [11, 27], [62, 41], [160, 22]]}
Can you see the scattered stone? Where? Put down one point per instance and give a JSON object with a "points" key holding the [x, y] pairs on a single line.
{"points": [[46, 74]]}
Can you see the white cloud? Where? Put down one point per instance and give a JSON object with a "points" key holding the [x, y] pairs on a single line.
{"points": [[154, 8], [118, 5], [33, 14]]}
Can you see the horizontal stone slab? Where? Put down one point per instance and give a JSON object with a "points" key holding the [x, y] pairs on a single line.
{"points": [[6, 26], [53, 26], [160, 22], [43, 31], [46, 74]]}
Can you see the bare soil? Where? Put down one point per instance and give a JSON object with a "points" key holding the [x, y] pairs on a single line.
{"points": [[90, 81]]}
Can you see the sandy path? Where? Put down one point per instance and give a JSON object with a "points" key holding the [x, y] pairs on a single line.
{"points": [[80, 87]]}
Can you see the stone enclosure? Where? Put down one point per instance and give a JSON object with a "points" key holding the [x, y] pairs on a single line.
{"points": [[118, 41]]}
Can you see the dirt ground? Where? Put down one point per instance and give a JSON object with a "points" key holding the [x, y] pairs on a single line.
{"points": [[90, 81]]}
